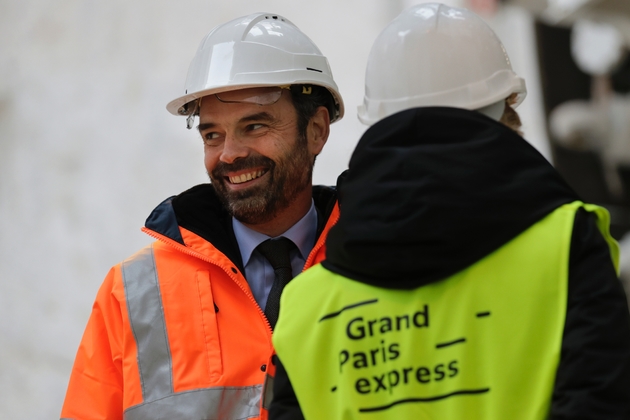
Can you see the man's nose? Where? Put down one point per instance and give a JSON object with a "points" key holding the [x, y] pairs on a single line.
{"points": [[233, 149]]}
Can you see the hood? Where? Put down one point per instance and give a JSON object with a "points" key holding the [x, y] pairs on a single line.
{"points": [[430, 191]]}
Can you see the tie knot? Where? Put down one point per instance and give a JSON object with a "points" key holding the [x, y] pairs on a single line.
{"points": [[276, 251]]}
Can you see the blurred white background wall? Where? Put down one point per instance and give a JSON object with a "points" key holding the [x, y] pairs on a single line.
{"points": [[87, 148]]}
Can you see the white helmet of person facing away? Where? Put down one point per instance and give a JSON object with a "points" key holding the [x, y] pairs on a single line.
{"points": [[258, 50], [435, 55]]}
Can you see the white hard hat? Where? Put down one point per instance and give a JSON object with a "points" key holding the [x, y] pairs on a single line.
{"points": [[435, 55], [261, 49]]}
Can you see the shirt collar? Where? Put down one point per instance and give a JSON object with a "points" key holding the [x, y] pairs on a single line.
{"points": [[303, 235]]}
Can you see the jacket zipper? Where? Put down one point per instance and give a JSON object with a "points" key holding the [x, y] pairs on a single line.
{"points": [[202, 257]]}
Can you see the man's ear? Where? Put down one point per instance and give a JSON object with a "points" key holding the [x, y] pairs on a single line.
{"points": [[318, 130]]}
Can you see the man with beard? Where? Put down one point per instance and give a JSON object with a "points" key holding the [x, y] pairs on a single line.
{"points": [[182, 329]]}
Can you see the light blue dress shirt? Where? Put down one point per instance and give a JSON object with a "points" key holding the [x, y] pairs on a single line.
{"points": [[258, 271]]}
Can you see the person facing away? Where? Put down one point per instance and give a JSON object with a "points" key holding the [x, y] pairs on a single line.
{"points": [[182, 329], [464, 278]]}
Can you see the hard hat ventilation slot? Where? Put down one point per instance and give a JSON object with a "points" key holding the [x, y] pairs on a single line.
{"points": [[274, 17], [319, 71]]}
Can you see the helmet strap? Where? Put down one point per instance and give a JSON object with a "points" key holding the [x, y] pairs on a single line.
{"points": [[190, 120]]}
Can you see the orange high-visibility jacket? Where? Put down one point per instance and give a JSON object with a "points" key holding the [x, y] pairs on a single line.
{"points": [[175, 332]]}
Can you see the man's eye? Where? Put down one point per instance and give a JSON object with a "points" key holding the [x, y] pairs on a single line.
{"points": [[211, 138], [252, 127]]}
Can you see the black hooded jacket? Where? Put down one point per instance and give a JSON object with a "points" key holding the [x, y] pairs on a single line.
{"points": [[429, 192]]}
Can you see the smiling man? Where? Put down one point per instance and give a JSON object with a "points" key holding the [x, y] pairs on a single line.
{"points": [[259, 158], [182, 329]]}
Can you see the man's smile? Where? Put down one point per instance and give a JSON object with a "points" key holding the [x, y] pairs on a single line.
{"points": [[246, 176]]}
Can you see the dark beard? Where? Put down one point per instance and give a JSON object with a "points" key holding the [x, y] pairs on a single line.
{"points": [[287, 177]]}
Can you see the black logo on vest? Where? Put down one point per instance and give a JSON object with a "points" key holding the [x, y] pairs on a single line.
{"points": [[379, 378]]}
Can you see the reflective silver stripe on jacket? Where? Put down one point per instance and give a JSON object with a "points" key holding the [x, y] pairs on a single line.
{"points": [[221, 403], [144, 305]]}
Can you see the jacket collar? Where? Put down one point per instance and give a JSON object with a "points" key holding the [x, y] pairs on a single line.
{"points": [[200, 211]]}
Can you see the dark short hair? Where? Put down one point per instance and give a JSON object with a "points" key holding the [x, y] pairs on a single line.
{"points": [[307, 103]]}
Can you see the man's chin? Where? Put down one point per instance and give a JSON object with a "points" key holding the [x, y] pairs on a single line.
{"points": [[251, 205], [252, 211]]}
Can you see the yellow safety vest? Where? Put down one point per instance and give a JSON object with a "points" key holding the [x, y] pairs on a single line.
{"points": [[481, 344]]}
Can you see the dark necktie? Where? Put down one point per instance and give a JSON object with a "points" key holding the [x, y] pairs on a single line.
{"points": [[276, 251]]}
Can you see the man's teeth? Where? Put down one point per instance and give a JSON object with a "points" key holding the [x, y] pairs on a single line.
{"points": [[246, 177]]}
